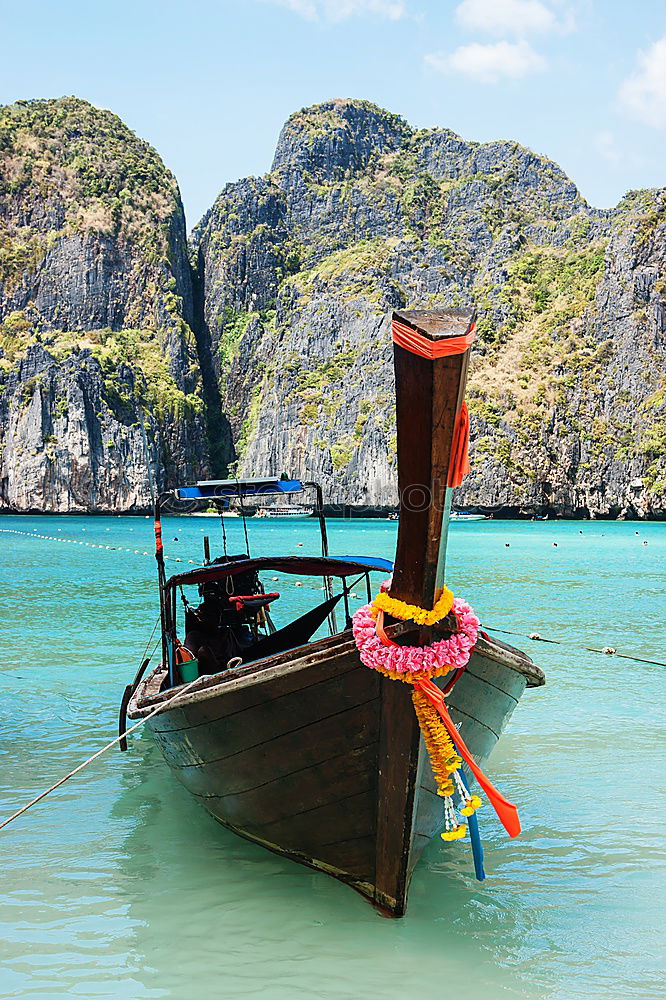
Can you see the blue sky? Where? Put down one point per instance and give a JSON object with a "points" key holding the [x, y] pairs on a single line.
{"points": [[209, 84]]}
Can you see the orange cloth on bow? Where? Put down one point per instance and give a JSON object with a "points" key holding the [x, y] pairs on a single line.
{"points": [[459, 464], [506, 811], [415, 342]]}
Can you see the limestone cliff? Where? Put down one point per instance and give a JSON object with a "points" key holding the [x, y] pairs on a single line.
{"points": [[361, 214], [100, 391], [125, 367]]}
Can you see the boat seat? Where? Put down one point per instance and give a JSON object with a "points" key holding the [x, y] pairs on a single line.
{"points": [[251, 602]]}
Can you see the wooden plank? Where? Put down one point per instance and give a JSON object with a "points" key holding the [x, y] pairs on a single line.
{"points": [[483, 709], [356, 856], [276, 712], [398, 762], [349, 817], [250, 675], [507, 681], [284, 755], [227, 697], [292, 795], [339, 833]]}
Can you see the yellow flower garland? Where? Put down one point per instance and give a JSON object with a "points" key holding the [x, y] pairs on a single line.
{"points": [[409, 678], [445, 762], [443, 756], [412, 612]]}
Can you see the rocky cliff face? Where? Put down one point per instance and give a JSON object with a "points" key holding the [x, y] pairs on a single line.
{"points": [[100, 391], [117, 355], [362, 214]]}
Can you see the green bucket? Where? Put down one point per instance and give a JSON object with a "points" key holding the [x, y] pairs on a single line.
{"points": [[189, 670]]}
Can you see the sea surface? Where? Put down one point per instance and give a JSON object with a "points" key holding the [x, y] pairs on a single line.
{"points": [[119, 885]]}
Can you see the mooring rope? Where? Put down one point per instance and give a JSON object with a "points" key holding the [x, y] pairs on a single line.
{"points": [[534, 636], [137, 725], [605, 651]]}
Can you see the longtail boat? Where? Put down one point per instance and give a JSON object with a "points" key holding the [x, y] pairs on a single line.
{"points": [[297, 744]]}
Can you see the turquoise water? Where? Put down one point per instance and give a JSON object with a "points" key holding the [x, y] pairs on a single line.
{"points": [[119, 885]]}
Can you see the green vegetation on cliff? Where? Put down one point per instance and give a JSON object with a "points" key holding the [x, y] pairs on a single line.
{"points": [[83, 163], [142, 350], [95, 284]]}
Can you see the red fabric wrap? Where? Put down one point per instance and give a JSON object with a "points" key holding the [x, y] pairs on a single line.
{"points": [[158, 538], [412, 340], [459, 464], [379, 629], [506, 811]]}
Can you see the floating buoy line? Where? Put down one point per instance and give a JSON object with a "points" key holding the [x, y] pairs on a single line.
{"points": [[92, 545], [533, 636]]}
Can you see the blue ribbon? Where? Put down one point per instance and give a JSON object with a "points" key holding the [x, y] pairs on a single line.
{"points": [[475, 837]]}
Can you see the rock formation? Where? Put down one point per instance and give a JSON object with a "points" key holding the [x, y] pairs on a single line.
{"points": [[361, 214], [119, 356], [100, 391]]}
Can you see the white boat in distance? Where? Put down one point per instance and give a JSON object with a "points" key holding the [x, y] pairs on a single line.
{"points": [[288, 510], [213, 513], [461, 516]]}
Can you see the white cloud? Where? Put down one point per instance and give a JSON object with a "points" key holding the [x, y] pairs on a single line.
{"points": [[643, 95], [512, 17], [303, 7], [607, 147], [340, 10], [489, 63]]}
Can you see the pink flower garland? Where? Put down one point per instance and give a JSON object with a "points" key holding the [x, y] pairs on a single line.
{"points": [[424, 661]]}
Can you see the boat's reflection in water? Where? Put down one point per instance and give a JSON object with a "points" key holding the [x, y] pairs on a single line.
{"points": [[211, 914]]}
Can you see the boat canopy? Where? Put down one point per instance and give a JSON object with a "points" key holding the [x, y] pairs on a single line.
{"points": [[298, 565], [219, 489]]}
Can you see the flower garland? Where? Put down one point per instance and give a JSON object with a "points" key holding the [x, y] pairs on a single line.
{"points": [[416, 665], [411, 612], [404, 663], [445, 764]]}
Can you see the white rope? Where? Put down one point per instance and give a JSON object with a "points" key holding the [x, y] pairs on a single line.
{"points": [[99, 753]]}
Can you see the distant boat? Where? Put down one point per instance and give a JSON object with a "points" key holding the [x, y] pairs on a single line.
{"points": [[393, 517], [288, 510], [212, 513], [297, 745], [462, 516]]}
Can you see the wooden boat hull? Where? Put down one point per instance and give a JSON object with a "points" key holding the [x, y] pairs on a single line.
{"points": [[320, 759]]}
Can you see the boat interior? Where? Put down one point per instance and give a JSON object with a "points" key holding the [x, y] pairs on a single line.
{"points": [[221, 615]]}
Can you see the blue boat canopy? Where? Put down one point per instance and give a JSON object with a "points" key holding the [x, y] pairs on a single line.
{"points": [[298, 565], [222, 489]]}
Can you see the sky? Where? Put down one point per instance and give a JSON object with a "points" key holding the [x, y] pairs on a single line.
{"points": [[210, 84]]}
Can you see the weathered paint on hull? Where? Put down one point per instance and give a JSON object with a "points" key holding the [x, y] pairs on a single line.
{"points": [[298, 762]]}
